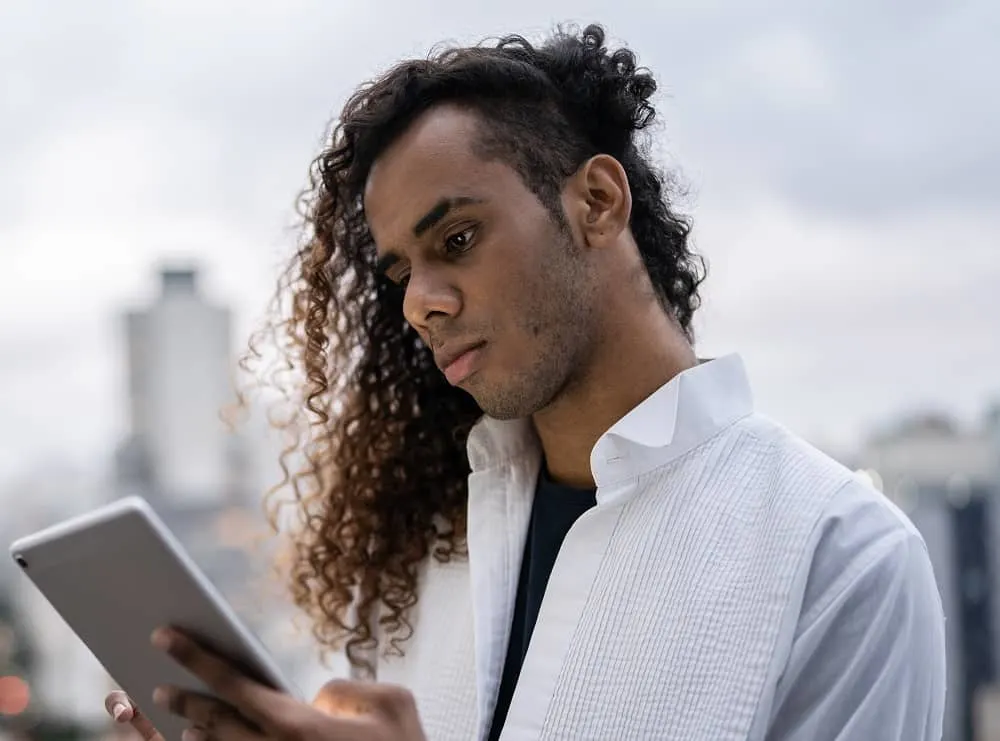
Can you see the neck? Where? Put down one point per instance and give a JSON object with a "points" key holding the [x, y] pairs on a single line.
{"points": [[636, 357]]}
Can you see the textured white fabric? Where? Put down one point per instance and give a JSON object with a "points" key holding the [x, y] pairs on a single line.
{"points": [[865, 650], [732, 583]]}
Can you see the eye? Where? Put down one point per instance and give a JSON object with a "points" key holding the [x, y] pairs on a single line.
{"points": [[459, 242]]}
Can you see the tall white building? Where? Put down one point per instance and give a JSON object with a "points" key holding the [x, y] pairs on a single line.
{"points": [[180, 378]]}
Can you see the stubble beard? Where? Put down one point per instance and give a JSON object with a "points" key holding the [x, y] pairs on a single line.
{"points": [[560, 320]]}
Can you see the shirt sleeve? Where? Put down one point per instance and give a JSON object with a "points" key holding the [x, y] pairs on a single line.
{"points": [[868, 659]]}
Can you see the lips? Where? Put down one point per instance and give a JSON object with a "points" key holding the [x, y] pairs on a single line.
{"points": [[459, 362]]}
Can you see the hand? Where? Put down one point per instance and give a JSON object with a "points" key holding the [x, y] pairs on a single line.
{"points": [[249, 711], [335, 698]]}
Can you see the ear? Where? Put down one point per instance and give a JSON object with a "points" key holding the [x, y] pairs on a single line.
{"points": [[599, 200]]}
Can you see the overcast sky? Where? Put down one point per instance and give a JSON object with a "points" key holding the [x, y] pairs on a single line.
{"points": [[842, 161]]}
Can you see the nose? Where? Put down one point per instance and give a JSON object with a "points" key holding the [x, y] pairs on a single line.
{"points": [[429, 297]]}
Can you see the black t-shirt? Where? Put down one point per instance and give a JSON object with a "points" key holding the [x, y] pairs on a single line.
{"points": [[555, 509]]}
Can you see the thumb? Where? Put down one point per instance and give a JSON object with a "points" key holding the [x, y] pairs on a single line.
{"points": [[123, 710]]}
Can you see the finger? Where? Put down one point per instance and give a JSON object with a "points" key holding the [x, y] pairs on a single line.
{"points": [[214, 719], [260, 704], [118, 706], [228, 728], [357, 728], [346, 698], [123, 710], [343, 698]]}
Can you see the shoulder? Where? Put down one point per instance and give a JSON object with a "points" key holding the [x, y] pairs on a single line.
{"points": [[865, 546], [861, 641], [856, 527], [777, 475], [794, 462], [863, 645], [858, 536]]}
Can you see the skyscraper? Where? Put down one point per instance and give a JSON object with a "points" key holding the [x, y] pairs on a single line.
{"points": [[179, 378]]}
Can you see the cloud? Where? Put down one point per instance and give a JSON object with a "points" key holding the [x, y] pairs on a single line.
{"points": [[847, 323], [843, 161], [882, 111]]}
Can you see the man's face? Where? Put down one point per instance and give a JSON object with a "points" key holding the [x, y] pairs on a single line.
{"points": [[493, 283]]}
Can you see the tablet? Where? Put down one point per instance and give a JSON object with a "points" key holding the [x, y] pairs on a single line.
{"points": [[115, 575]]}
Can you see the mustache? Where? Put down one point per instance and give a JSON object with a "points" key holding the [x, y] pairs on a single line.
{"points": [[436, 339]]}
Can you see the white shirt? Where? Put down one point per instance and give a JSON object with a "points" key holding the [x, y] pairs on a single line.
{"points": [[732, 583], [866, 656]]}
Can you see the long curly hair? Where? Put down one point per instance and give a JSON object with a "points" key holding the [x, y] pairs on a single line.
{"points": [[376, 459]]}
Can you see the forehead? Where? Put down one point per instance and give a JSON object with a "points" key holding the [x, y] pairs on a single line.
{"points": [[431, 160]]}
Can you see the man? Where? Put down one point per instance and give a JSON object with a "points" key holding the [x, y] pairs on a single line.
{"points": [[647, 557]]}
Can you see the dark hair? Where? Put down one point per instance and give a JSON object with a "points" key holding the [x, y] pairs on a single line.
{"points": [[381, 480]]}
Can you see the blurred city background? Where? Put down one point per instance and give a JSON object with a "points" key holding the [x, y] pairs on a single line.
{"points": [[841, 162]]}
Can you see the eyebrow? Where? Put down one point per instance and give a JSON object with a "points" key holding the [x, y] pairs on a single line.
{"points": [[426, 222], [439, 211]]}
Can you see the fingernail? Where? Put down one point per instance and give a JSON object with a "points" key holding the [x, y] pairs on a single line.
{"points": [[161, 639], [118, 711], [161, 696], [192, 734]]}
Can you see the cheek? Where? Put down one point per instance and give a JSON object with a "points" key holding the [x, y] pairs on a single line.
{"points": [[525, 290], [531, 314], [522, 304]]}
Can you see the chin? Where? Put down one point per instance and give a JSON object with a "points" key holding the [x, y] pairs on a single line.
{"points": [[505, 403], [492, 407], [501, 413]]}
